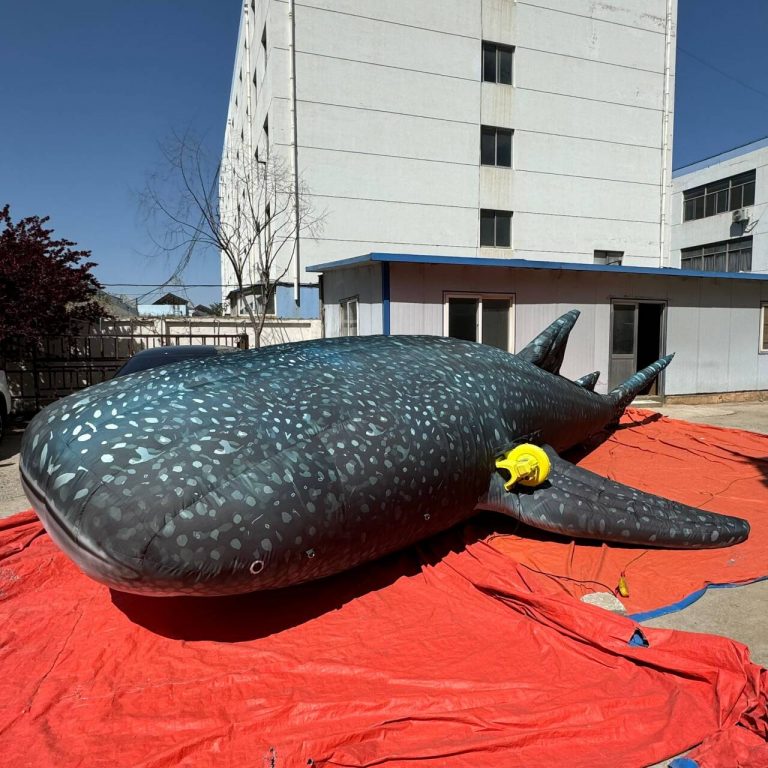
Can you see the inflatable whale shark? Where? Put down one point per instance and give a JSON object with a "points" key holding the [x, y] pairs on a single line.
{"points": [[264, 469]]}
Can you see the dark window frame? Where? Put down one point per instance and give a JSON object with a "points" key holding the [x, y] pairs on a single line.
{"points": [[492, 133], [720, 196], [497, 63], [479, 299], [344, 322], [734, 255], [608, 258], [501, 220]]}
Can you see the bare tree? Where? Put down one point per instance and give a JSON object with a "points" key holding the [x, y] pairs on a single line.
{"points": [[249, 210]]}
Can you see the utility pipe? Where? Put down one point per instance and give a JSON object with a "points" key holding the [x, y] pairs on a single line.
{"points": [[665, 136], [294, 149]]}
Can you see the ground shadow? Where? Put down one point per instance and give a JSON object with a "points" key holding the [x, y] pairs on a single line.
{"points": [[238, 618]]}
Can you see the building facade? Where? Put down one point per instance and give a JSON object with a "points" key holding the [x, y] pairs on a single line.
{"points": [[717, 206], [482, 166], [494, 128], [713, 322]]}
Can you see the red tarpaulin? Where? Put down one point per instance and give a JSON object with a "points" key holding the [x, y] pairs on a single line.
{"points": [[443, 655], [719, 470]]}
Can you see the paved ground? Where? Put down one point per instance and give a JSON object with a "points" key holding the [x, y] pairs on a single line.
{"points": [[742, 612], [12, 498]]}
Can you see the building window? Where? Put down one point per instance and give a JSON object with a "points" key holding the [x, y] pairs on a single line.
{"points": [[726, 256], [348, 317], [719, 196], [495, 146], [609, 258], [495, 228], [252, 297], [497, 63], [480, 317]]}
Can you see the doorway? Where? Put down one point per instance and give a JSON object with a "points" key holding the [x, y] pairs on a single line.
{"points": [[637, 340]]}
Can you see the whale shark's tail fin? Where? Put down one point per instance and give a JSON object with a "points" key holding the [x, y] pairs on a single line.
{"points": [[625, 393], [546, 351]]}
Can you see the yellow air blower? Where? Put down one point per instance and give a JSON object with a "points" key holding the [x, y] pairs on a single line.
{"points": [[527, 464]]}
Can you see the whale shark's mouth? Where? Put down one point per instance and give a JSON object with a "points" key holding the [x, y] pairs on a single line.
{"points": [[89, 557]]}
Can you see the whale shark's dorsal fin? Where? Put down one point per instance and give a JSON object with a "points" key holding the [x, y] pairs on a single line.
{"points": [[546, 351], [625, 393], [588, 381]]}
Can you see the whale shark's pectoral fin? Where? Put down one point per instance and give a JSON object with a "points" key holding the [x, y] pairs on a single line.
{"points": [[577, 503], [546, 351], [588, 381]]}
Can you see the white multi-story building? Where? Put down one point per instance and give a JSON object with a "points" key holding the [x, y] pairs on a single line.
{"points": [[466, 127], [717, 207], [485, 165]]}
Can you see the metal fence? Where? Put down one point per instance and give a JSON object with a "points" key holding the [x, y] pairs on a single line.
{"points": [[38, 374]]}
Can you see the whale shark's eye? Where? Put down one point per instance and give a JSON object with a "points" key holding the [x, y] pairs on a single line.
{"points": [[257, 566]]}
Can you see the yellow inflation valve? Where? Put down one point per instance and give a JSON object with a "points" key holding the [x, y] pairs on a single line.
{"points": [[527, 464]]}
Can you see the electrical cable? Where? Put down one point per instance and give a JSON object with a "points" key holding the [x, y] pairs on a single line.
{"points": [[725, 74]]}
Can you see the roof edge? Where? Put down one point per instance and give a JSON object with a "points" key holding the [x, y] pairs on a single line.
{"points": [[478, 261]]}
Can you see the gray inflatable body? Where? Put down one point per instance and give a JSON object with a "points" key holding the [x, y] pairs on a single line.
{"points": [[264, 469]]}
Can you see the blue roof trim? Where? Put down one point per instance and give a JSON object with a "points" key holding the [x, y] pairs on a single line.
{"points": [[477, 261], [729, 154], [366, 259]]}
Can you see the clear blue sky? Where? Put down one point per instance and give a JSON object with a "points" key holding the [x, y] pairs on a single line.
{"points": [[89, 88], [722, 92]]}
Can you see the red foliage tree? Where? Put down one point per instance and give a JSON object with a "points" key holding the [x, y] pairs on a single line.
{"points": [[45, 285]]}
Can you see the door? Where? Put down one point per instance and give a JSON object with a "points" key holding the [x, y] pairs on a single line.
{"points": [[637, 340]]}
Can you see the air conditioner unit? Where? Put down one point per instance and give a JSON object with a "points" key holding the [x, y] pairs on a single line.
{"points": [[740, 214]]}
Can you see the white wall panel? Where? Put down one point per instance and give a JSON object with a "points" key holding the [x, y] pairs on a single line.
{"points": [[586, 197], [358, 38], [589, 38], [712, 325], [570, 237], [388, 133], [389, 179], [588, 119], [457, 17], [417, 225], [645, 14], [387, 89], [361, 282], [587, 79], [578, 157]]}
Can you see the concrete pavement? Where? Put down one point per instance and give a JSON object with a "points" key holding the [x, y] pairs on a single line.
{"points": [[740, 613], [12, 498]]}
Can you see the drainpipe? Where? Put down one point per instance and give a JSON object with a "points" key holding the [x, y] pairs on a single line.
{"points": [[665, 138], [294, 148], [249, 88]]}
